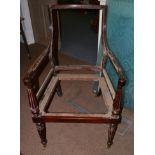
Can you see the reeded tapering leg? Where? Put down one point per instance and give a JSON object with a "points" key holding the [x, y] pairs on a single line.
{"points": [[111, 133], [58, 89], [42, 133]]}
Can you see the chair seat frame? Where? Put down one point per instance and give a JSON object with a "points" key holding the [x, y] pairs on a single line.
{"points": [[38, 107]]}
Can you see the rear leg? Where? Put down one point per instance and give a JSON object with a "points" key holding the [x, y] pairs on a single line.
{"points": [[58, 89]]}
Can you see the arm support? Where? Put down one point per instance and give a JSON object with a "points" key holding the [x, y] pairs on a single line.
{"points": [[117, 107], [31, 78], [117, 67]]}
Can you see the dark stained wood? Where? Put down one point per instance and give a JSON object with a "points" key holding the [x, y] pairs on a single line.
{"points": [[55, 41], [111, 133], [36, 85], [76, 6], [117, 66], [74, 119], [32, 75], [41, 127], [107, 54], [52, 82], [33, 103], [38, 66], [117, 100]]}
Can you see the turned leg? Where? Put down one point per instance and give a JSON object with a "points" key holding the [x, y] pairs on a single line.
{"points": [[42, 133], [111, 133], [58, 89]]}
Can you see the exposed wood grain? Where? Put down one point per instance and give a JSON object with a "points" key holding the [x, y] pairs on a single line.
{"points": [[77, 67], [44, 84], [106, 94], [80, 118], [83, 77], [48, 94], [111, 98], [63, 119]]}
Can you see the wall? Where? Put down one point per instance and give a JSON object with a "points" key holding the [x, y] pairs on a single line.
{"points": [[27, 26], [120, 34]]}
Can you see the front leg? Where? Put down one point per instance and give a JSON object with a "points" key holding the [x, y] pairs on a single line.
{"points": [[42, 133], [111, 133]]}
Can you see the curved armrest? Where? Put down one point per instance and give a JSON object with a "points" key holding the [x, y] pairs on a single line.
{"points": [[37, 67], [121, 83], [117, 67]]}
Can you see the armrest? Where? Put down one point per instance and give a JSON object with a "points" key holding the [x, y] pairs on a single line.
{"points": [[37, 67], [121, 82], [31, 78], [117, 67], [40, 63]]}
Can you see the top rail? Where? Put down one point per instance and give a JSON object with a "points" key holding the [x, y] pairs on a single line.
{"points": [[75, 6]]}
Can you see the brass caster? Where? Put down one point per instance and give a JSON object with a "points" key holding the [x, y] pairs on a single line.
{"points": [[44, 146], [109, 145]]}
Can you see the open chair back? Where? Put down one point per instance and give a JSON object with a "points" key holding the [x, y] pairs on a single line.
{"points": [[53, 11], [40, 99]]}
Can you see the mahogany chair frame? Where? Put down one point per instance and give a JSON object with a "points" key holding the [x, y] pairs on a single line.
{"points": [[51, 84]]}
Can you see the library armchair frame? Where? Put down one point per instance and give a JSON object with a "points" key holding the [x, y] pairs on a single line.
{"points": [[51, 83]]}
